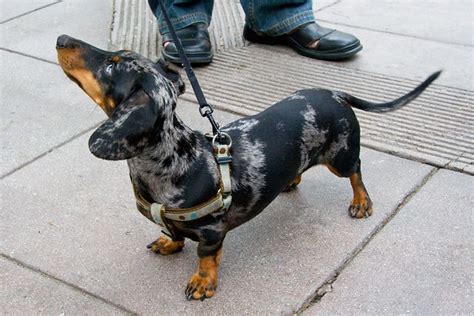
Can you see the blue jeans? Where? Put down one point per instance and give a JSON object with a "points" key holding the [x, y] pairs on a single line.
{"points": [[269, 17]]}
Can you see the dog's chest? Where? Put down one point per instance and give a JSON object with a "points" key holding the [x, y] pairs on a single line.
{"points": [[158, 186]]}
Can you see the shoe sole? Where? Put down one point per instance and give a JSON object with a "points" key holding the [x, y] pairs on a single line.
{"points": [[340, 54], [193, 59]]}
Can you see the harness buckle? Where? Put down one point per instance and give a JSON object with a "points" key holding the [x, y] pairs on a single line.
{"points": [[222, 160]]}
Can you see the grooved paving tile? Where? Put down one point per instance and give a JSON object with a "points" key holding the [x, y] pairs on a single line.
{"points": [[135, 27], [78, 212], [437, 127]]}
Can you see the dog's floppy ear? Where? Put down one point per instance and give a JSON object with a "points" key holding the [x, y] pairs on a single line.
{"points": [[127, 132]]}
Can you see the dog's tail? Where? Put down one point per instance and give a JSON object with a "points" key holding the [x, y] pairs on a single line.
{"points": [[388, 106]]}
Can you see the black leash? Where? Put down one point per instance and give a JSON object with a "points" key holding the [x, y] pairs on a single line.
{"points": [[204, 108]]}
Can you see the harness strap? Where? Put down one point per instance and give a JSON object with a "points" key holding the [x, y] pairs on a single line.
{"points": [[223, 161], [192, 213], [159, 213]]}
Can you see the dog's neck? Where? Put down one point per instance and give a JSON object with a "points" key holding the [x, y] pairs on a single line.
{"points": [[158, 168], [175, 154], [172, 151]]}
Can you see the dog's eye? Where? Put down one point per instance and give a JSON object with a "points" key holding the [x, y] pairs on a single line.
{"points": [[109, 69]]}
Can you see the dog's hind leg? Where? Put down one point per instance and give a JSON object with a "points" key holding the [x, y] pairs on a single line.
{"points": [[166, 246], [361, 205], [292, 186]]}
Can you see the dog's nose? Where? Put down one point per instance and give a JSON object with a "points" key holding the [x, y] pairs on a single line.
{"points": [[65, 41]]}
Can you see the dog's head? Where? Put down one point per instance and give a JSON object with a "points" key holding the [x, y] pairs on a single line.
{"points": [[136, 93]]}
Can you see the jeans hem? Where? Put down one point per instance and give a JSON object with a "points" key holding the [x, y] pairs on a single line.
{"points": [[289, 24], [183, 21]]}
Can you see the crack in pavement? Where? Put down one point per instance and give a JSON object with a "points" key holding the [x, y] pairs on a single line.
{"points": [[61, 144], [67, 141], [28, 55], [327, 6], [327, 285], [66, 283], [31, 11]]}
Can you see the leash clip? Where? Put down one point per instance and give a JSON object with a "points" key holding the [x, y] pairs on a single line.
{"points": [[206, 110]]}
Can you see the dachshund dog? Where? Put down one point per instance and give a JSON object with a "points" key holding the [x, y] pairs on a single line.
{"points": [[175, 166]]}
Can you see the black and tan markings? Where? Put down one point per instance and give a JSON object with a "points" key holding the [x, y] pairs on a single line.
{"points": [[172, 165], [203, 283], [75, 66], [166, 246]]}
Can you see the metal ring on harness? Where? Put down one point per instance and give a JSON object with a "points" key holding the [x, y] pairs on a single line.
{"points": [[220, 135]]}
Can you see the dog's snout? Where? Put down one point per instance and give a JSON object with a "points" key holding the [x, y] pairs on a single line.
{"points": [[65, 41]]}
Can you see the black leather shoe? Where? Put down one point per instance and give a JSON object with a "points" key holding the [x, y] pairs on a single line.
{"points": [[312, 40], [196, 44]]}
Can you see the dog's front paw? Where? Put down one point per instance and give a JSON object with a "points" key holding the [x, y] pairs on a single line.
{"points": [[360, 208], [166, 246], [201, 286]]}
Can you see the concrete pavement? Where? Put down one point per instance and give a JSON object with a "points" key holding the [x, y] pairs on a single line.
{"points": [[72, 242], [420, 263]]}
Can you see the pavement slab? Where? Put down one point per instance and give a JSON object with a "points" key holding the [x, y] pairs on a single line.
{"points": [[449, 22], [79, 213], [420, 263], [35, 34], [13, 9], [41, 108], [26, 292]]}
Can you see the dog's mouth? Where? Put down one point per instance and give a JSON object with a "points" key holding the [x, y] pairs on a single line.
{"points": [[69, 55]]}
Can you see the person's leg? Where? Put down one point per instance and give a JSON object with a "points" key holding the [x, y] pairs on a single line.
{"points": [[190, 19], [183, 13], [291, 23], [277, 17]]}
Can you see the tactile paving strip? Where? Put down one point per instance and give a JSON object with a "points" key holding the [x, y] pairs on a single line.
{"points": [[135, 27], [437, 127]]}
